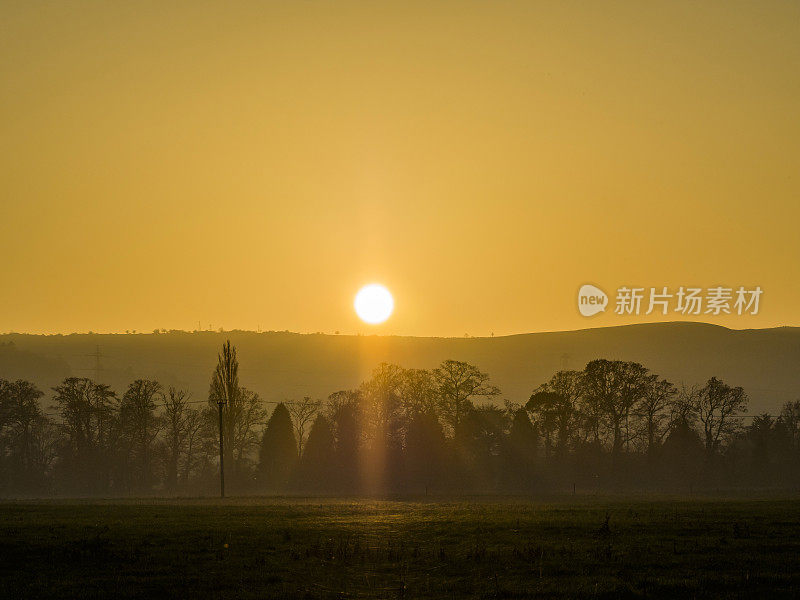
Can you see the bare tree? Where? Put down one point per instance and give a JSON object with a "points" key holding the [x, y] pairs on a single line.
{"points": [[181, 424], [139, 427], [303, 413], [652, 410], [45, 444], [634, 383], [718, 404], [381, 402], [418, 393], [555, 408], [683, 409], [86, 411], [247, 414], [19, 412], [195, 427], [28, 438], [602, 382], [457, 383]]}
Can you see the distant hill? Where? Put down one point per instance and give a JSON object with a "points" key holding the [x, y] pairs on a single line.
{"points": [[280, 365], [16, 363]]}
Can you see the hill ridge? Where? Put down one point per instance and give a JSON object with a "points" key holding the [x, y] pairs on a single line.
{"points": [[280, 365]]}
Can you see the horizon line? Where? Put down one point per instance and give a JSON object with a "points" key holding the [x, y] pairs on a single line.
{"points": [[222, 331]]}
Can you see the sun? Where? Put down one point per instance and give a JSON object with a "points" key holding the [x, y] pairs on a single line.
{"points": [[374, 303]]}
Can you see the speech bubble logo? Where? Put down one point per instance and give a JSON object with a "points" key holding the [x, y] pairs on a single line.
{"points": [[591, 300]]}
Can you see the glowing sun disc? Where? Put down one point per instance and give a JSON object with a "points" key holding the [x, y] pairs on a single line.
{"points": [[374, 303]]}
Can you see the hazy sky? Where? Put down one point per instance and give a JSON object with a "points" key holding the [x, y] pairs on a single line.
{"points": [[253, 164]]}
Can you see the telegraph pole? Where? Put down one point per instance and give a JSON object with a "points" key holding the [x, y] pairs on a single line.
{"points": [[221, 455]]}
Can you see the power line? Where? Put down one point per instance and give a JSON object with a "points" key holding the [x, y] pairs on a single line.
{"points": [[98, 367]]}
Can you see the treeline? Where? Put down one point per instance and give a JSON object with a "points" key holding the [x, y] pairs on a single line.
{"points": [[612, 425]]}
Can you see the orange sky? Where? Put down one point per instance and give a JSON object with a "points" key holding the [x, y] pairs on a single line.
{"points": [[252, 164]]}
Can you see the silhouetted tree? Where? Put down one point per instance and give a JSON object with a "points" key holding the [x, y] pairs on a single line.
{"points": [[317, 470], [568, 385], [763, 436], [614, 387], [458, 383], [87, 414], [303, 413], [385, 427], [278, 452], [247, 415], [544, 406], [789, 421], [478, 441], [790, 417], [198, 445], [718, 404], [27, 439], [242, 411], [225, 389], [419, 394], [614, 423], [653, 411], [681, 454], [683, 408], [138, 428], [425, 451], [519, 452], [344, 408], [555, 407], [787, 428], [182, 425]]}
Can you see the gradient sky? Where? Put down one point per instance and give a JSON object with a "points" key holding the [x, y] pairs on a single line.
{"points": [[252, 164]]}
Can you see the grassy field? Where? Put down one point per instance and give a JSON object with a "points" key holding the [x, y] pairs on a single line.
{"points": [[471, 548]]}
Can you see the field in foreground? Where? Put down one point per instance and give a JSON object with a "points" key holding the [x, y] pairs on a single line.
{"points": [[322, 548]]}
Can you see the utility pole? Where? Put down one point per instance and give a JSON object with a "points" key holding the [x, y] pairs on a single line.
{"points": [[97, 355], [221, 455]]}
